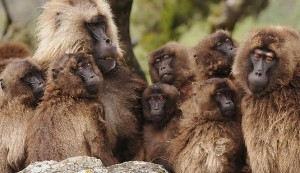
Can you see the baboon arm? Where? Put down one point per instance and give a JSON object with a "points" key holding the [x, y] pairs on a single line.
{"points": [[99, 148]]}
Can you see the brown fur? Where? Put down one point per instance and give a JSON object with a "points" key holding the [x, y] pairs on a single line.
{"points": [[69, 121], [210, 61], [208, 142], [183, 65], [17, 105], [11, 51], [271, 118], [64, 20], [158, 134]]}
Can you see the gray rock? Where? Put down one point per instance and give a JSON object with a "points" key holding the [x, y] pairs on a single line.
{"points": [[84, 164], [136, 167], [74, 164]]}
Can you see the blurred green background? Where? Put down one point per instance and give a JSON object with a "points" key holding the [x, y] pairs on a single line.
{"points": [[154, 22], [151, 22]]}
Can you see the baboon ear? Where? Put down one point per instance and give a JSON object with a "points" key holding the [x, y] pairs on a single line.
{"points": [[55, 73]]}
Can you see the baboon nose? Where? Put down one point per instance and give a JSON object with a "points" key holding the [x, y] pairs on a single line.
{"points": [[107, 41], [258, 73], [41, 83]]}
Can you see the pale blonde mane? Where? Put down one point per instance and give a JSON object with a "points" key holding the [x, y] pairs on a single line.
{"points": [[61, 27]]}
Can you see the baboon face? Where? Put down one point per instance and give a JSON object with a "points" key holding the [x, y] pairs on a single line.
{"points": [[171, 63], [226, 46], [215, 98], [77, 75], [215, 54], [267, 60], [262, 61], [224, 98], [163, 66], [23, 79], [159, 102], [34, 80], [84, 26], [103, 49]]}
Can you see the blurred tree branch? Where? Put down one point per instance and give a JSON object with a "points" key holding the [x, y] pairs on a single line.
{"points": [[234, 10], [8, 17], [122, 10]]}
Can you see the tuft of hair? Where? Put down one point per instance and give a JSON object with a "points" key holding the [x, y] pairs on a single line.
{"points": [[14, 50], [10, 51], [61, 27]]}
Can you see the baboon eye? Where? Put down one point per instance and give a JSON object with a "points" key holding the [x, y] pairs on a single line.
{"points": [[160, 97], [219, 43], [102, 23], [269, 59], [227, 39], [80, 68], [256, 56], [157, 60], [218, 94], [166, 56]]}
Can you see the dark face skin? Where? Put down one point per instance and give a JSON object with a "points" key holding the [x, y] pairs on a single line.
{"points": [[224, 99], [226, 46], [263, 61], [157, 105], [104, 50], [164, 69], [90, 79], [35, 81]]}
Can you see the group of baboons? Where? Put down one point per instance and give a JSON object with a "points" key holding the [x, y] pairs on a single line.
{"points": [[219, 107]]}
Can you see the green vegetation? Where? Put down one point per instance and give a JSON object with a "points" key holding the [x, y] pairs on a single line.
{"points": [[153, 23]]}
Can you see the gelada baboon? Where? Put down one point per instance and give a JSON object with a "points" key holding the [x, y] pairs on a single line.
{"points": [[88, 26], [210, 137], [70, 120], [267, 67], [171, 63], [10, 51], [161, 116], [214, 55], [22, 86]]}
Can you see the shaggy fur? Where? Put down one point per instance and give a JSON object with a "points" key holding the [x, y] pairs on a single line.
{"points": [[182, 64], [208, 141], [61, 30], [210, 62], [61, 27], [157, 134], [17, 105], [69, 121], [11, 51], [271, 118]]}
